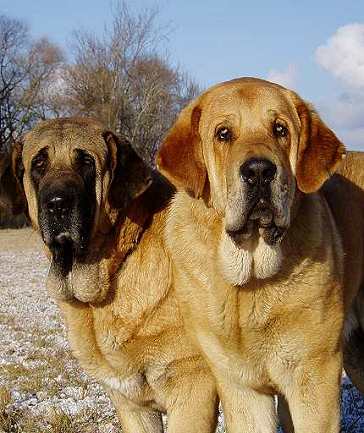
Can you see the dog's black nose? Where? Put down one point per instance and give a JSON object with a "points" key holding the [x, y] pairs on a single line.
{"points": [[58, 205], [258, 171]]}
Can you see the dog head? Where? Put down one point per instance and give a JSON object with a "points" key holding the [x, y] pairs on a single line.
{"points": [[249, 148], [76, 176]]}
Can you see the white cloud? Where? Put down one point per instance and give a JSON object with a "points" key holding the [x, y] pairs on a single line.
{"points": [[345, 115], [285, 78], [346, 110], [343, 55]]}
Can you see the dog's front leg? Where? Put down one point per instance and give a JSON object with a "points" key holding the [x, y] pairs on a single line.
{"points": [[193, 405], [246, 410], [134, 418], [313, 396]]}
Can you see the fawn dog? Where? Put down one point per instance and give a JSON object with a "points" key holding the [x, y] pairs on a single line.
{"points": [[101, 213], [267, 265]]}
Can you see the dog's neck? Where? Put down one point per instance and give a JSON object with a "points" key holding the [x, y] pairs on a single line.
{"points": [[128, 232], [132, 223]]}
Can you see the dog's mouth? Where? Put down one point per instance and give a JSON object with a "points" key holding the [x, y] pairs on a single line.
{"points": [[66, 231], [66, 248], [65, 241], [260, 219], [62, 248], [71, 274]]}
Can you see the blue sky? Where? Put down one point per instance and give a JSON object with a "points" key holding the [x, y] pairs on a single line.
{"points": [[218, 40]]}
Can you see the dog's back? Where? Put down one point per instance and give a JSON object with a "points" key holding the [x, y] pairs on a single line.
{"points": [[345, 194]]}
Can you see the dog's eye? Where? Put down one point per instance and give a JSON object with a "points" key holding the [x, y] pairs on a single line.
{"points": [[39, 166], [85, 159], [40, 161], [88, 160], [224, 134], [280, 130]]}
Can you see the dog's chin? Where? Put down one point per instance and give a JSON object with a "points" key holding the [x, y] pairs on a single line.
{"points": [[272, 235], [259, 222], [251, 248], [71, 276]]}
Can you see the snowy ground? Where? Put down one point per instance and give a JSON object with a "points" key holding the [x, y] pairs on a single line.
{"points": [[42, 389], [41, 384]]}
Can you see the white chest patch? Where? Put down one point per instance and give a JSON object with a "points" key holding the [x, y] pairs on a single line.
{"points": [[239, 264], [129, 386], [267, 259]]}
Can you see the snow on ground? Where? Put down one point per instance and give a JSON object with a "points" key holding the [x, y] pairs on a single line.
{"points": [[42, 388], [48, 391]]}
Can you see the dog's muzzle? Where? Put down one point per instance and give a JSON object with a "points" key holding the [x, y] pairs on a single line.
{"points": [[257, 176], [65, 218]]}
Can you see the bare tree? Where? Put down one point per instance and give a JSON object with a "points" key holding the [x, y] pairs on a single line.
{"points": [[121, 79], [25, 70]]}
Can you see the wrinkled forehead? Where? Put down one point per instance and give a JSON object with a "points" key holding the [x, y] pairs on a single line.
{"points": [[61, 143], [249, 104]]}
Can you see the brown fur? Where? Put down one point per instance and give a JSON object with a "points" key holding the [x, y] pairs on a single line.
{"points": [[11, 196], [123, 320], [345, 196], [185, 162], [268, 319], [317, 157]]}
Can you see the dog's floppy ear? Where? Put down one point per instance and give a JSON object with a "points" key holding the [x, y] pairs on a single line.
{"points": [[180, 158], [12, 195], [130, 174], [319, 150]]}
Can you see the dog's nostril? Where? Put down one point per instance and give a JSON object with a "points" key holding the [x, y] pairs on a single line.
{"points": [[250, 176], [258, 170], [58, 205], [269, 173]]}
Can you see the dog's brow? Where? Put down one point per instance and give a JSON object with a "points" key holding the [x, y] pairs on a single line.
{"points": [[41, 151], [273, 112], [81, 150]]}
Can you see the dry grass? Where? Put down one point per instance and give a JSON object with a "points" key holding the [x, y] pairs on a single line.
{"points": [[5, 399], [61, 422], [42, 387], [13, 421]]}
